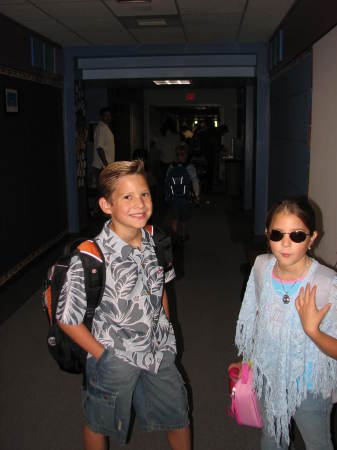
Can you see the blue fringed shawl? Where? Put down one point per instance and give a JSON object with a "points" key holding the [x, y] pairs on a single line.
{"points": [[270, 334]]}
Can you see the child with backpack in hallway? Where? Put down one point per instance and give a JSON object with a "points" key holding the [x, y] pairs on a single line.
{"points": [[181, 188], [294, 373], [131, 348]]}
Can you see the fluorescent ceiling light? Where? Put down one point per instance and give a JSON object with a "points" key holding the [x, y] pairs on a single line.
{"points": [[169, 82], [134, 1], [152, 22]]}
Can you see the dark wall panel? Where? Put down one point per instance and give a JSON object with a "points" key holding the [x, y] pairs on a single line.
{"points": [[290, 108], [306, 22], [32, 173], [14, 44], [15, 48]]}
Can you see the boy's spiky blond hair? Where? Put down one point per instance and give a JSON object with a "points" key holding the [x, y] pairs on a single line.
{"points": [[116, 170]]}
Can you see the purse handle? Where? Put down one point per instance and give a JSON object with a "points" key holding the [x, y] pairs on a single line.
{"points": [[244, 372]]}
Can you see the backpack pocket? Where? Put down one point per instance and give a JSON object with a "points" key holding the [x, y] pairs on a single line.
{"points": [[68, 355]]}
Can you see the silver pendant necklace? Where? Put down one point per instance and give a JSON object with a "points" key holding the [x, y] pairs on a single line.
{"points": [[286, 297]]}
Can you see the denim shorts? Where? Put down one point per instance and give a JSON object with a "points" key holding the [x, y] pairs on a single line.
{"points": [[113, 385]]}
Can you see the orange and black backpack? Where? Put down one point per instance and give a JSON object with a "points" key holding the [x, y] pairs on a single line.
{"points": [[69, 355]]}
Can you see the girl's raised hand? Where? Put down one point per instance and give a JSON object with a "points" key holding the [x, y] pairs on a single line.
{"points": [[306, 307]]}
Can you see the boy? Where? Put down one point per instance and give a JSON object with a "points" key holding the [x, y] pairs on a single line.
{"points": [[181, 185], [131, 349]]}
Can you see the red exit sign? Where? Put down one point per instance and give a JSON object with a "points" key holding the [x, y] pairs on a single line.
{"points": [[190, 96]]}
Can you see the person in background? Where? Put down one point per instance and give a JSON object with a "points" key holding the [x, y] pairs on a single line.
{"points": [[181, 188], [167, 144], [209, 138], [104, 145]]}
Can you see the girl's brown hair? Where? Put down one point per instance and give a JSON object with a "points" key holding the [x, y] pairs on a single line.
{"points": [[110, 175], [299, 206]]}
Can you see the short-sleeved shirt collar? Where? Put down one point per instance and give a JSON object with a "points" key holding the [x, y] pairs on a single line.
{"points": [[112, 243]]}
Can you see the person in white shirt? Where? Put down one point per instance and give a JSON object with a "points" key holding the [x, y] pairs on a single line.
{"points": [[104, 144], [167, 143]]}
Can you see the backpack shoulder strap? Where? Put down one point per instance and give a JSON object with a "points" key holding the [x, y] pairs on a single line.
{"points": [[323, 278], [94, 276], [92, 249], [172, 166], [187, 172], [53, 284], [149, 228], [259, 268], [158, 235], [163, 246]]}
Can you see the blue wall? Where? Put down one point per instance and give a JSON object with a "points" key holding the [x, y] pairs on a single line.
{"points": [[290, 102]]}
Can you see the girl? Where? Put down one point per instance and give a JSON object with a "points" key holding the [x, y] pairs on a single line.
{"points": [[292, 376]]}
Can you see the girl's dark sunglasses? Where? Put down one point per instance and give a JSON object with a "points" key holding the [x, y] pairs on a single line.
{"points": [[295, 236]]}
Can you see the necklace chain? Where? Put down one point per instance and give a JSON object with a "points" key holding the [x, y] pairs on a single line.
{"points": [[286, 297]]}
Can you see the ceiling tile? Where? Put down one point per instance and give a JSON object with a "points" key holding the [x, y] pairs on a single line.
{"points": [[84, 11], [169, 35], [212, 37], [97, 21], [211, 21], [56, 32], [13, 2], [109, 37], [67, 39], [262, 18], [212, 6], [131, 22], [155, 8], [42, 2], [275, 10], [104, 33], [22, 12], [254, 33], [211, 28]]}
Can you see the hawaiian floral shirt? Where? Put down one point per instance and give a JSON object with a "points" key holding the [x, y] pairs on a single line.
{"points": [[130, 318]]}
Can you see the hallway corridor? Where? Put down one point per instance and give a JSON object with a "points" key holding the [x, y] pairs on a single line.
{"points": [[40, 405]]}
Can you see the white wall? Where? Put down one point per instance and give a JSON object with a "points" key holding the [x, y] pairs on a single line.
{"points": [[323, 155]]}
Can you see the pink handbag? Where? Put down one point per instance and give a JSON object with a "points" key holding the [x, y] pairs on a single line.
{"points": [[245, 407]]}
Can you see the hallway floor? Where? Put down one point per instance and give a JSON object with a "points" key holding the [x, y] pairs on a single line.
{"points": [[40, 405]]}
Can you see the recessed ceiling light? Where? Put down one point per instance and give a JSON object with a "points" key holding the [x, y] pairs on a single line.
{"points": [[134, 1], [152, 22], [169, 82], [149, 21]]}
